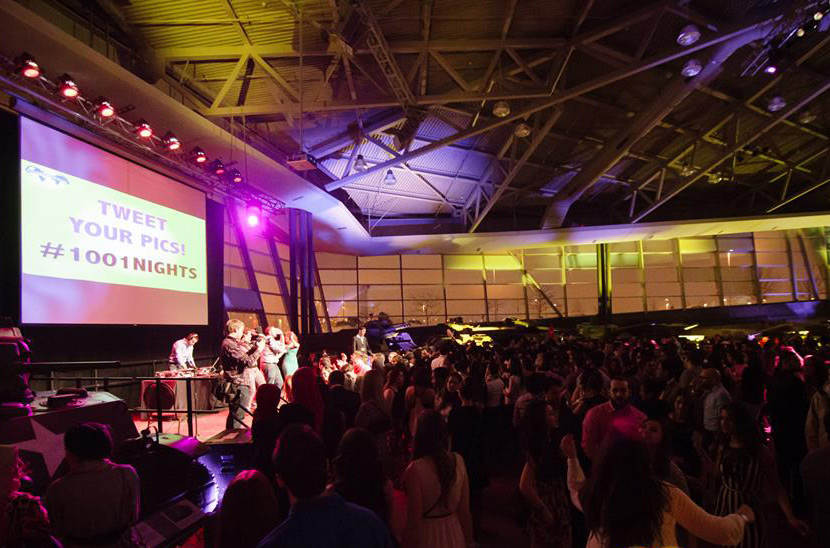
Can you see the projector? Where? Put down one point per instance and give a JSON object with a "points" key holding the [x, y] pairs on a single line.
{"points": [[302, 162]]}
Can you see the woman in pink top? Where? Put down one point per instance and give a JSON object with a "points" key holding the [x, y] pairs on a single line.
{"points": [[626, 504]]}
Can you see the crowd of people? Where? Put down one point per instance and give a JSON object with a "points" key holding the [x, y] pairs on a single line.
{"points": [[607, 443]]}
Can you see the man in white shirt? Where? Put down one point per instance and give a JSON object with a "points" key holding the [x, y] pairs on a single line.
{"points": [[274, 350], [440, 359], [181, 357]]}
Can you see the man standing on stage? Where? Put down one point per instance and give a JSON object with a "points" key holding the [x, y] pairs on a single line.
{"points": [[235, 357], [274, 350], [181, 357], [359, 343]]}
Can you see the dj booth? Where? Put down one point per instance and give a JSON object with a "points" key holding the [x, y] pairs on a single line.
{"points": [[201, 381]]}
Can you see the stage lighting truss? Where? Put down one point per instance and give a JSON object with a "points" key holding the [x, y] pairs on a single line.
{"points": [[46, 94]]}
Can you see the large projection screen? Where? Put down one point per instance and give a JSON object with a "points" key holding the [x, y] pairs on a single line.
{"points": [[104, 240]]}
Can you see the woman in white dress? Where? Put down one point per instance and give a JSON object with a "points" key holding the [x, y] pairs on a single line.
{"points": [[438, 494]]}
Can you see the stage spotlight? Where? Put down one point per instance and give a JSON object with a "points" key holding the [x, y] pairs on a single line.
{"points": [[236, 177], [806, 117], [67, 87], [521, 130], [171, 141], [104, 108], [27, 67], [770, 69], [390, 179], [689, 35], [776, 103], [360, 163], [817, 16], [143, 129], [692, 68], [217, 167], [800, 32], [199, 155], [501, 109], [254, 214]]}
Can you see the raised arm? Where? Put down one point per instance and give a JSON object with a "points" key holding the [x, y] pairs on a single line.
{"points": [[726, 530]]}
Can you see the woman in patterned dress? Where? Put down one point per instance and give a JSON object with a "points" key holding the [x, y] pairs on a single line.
{"points": [[746, 468], [542, 483]]}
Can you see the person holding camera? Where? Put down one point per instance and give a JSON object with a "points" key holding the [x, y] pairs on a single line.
{"points": [[235, 357]]}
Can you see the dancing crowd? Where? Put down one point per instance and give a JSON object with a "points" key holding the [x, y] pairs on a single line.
{"points": [[605, 443]]}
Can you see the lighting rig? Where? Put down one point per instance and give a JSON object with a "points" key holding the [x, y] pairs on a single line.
{"points": [[24, 78]]}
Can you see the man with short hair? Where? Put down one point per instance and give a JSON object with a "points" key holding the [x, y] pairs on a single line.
{"points": [[271, 354], [715, 398], [360, 343], [615, 417], [97, 502], [181, 357], [439, 360], [317, 519], [344, 400], [235, 356]]}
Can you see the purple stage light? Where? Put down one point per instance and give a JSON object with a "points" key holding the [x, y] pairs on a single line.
{"points": [[254, 214]]}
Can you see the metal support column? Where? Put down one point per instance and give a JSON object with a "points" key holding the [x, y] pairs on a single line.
{"points": [[293, 249], [604, 283]]}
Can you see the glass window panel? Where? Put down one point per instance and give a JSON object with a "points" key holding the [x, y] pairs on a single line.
{"points": [[625, 259], [587, 249], [462, 308], [501, 262], [736, 274], [540, 308], [465, 292], [776, 287], [739, 300], [663, 289], [423, 292], [342, 308], [664, 303], [272, 303], [281, 321], [698, 259], [421, 261], [731, 289], [735, 244], [622, 305], [696, 246], [624, 247], [499, 291], [339, 277], [552, 291], [659, 259], [261, 263], [783, 298], [332, 260], [366, 276], [582, 307], [735, 259], [434, 309], [343, 323], [773, 273], [267, 283], [702, 301], [393, 308], [503, 308], [776, 243], [698, 275], [542, 261], [422, 277], [547, 276], [625, 275], [657, 246], [383, 261], [700, 288], [340, 292], [660, 275], [463, 262], [581, 260], [463, 277], [232, 255], [236, 277], [256, 243], [383, 292], [582, 290], [283, 253], [773, 259], [250, 319], [582, 276], [627, 290], [504, 276]]}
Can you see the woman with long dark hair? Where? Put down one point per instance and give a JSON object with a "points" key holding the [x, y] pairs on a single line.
{"points": [[745, 468], [438, 505], [249, 511], [358, 474], [626, 504], [304, 390], [542, 483]]}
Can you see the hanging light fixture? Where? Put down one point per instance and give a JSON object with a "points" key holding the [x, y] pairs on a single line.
{"points": [[501, 109], [217, 167], [198, 155], [776, 103], [171, 141], [521, 130], [688, 35], [27, 67], [104, 108], [390, 179], [67, 87], [236, 176], [692, 68], [253, 214], [360, 163], [143, 129]]}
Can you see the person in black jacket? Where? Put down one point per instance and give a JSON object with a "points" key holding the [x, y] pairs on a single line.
{"points": [[235, 356], [345, 401]]}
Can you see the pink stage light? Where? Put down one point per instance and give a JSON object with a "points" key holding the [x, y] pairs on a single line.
{"points": [[254, 214]]}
